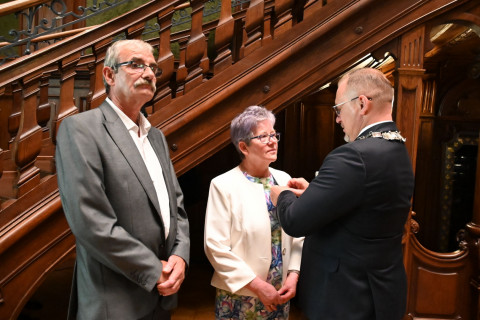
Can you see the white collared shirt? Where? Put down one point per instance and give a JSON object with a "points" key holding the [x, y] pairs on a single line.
{"points": [[149, 158]]}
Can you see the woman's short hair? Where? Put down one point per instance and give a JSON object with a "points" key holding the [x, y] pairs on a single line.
{"points": [[243, 126], [111, 56]]}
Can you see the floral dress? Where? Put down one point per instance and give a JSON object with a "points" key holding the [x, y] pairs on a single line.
{"points": [[233, 306]]}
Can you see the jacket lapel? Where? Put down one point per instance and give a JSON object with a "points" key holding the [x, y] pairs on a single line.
{"points": [[127, 147]]}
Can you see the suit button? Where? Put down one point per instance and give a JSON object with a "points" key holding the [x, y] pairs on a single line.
{"points": [[284, 251]]}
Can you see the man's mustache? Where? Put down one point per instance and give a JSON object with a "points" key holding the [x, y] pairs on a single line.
{"points": [[141, 82]]}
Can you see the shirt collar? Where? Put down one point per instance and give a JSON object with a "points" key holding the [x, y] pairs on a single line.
{"points": [[145, 125], [371, 125]]}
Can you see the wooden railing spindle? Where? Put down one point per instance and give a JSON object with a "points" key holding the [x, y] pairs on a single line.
{"points": [[252, 35], [223, 39], [67, 105], [96, 97], [166, 60], [195, 52], [28, 141], [283, 16]]}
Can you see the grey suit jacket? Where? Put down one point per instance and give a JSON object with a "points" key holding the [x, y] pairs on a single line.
{"points": [[111, 206]]}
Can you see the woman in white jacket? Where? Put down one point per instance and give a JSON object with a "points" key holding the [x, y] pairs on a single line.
{"points": [[256, 264]]}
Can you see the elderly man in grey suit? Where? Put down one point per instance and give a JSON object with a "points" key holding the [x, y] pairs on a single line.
{"points": [[122, 199]]}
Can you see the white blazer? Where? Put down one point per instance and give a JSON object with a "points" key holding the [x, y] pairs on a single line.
{"points": [[238, 233]]}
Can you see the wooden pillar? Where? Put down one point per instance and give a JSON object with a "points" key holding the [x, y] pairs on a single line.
{"points": [[409, 88]]}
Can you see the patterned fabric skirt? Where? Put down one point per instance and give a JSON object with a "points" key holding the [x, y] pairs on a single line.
{"points": [[237, 307]]}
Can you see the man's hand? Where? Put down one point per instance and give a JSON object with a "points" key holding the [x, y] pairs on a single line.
{"points": [[296, 185], [172, 276]]}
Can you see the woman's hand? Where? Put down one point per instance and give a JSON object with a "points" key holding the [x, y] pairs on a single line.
{"points": [[289, 288], [269, 296]]}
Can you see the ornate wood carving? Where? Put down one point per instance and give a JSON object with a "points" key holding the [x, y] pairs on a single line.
{"points": [[437, 282], [409, 88]]}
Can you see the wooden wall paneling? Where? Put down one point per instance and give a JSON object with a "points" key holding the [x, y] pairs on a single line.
{"points": [[438, 283], [409, 88], [196, 60], [426, 198], [223, 39], [165, 61]]}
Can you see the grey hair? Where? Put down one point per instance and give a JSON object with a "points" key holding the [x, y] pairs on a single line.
{"points": [[370, 82], [243, 126], [111, 57]]}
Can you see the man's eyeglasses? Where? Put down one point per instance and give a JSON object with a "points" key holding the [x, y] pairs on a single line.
{"points": [[337, 110], [139, 67], [265, 138]]}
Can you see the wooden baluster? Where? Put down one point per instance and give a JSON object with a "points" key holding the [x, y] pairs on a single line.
{"points": [[182, 72], [66, 105], [7, 133], [98, 95], [268, 17], [283, 16], [6, 103], [223, 39], [166, 60], [45, 160], [14, 118], [27, 143], [252, 32], [196, 60]]}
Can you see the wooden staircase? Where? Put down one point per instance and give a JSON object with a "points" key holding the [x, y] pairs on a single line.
{"points": [[271, 53]]}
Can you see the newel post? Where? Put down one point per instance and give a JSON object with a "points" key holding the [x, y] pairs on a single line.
{"points": [[409, 88]]}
